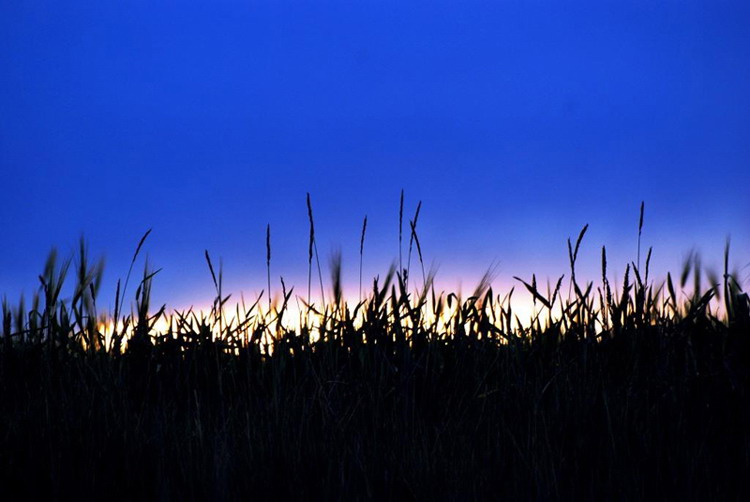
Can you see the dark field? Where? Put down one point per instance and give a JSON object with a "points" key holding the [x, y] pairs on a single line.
{"points": [[628, 392]]}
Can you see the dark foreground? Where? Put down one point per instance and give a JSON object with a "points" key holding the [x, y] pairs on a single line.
{"points": [[650, 412]]}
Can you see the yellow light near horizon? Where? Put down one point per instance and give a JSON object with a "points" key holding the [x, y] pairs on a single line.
{"points": [[296, 316]]}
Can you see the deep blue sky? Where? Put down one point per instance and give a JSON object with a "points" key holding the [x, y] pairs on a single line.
{"points": [[514, 122]]}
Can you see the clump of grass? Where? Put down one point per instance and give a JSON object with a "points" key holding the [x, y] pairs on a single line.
{"points": [[635, 391]]}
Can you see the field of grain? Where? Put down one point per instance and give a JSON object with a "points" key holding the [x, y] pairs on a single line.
{"points": [[611, 391]]}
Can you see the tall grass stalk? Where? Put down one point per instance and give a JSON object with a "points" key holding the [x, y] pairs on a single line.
{"points": [[268, 263], [313, 246], [361, 254], [400, 232]]}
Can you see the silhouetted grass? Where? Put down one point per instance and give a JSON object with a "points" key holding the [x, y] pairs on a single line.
{"points": [[634, 391]]}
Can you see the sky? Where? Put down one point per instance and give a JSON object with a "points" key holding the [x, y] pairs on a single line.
{"points": [[514, 123]]}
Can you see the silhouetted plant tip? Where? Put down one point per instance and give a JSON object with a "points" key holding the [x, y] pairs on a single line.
{"points": [[400, 230], [268, 262], [313, 247], [361, 254], [640, 228], [412, 238]]}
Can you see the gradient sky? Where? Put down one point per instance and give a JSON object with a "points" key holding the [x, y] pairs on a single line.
{"points": [[514, 122]]}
